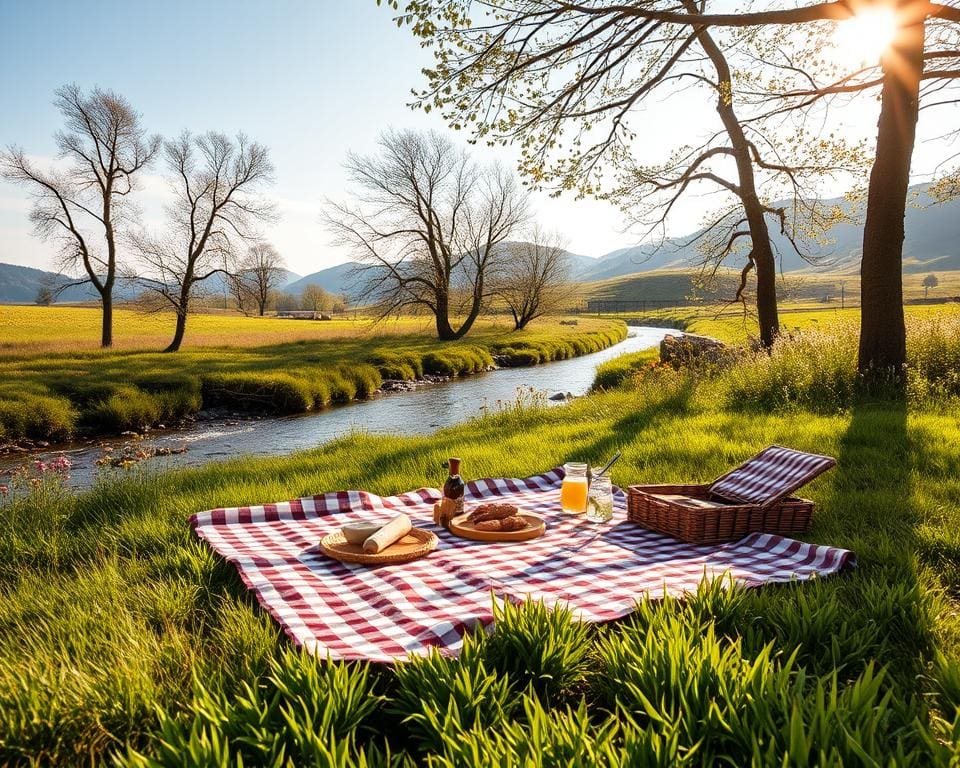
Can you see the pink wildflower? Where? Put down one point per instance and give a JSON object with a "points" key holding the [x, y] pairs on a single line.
{"points": [[61, 464], [4, 490]]}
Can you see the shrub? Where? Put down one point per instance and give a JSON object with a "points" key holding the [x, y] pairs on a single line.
{"points": [[517, 357], [320, 389], [396, 366], [275, 392], [40, 417], [127, 407], [614, 373], [342, 387], [439, 364], [366, 379], [457, 361], [176, 403], [814, 369]]}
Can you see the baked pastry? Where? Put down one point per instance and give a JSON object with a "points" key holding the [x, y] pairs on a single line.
{"points": [[485, 512], [503, 524]]}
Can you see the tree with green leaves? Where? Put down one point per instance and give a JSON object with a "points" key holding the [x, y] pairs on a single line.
{"points": [[490, 66]]}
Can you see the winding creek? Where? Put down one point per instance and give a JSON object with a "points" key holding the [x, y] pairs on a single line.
{"points": [[416, 412]]}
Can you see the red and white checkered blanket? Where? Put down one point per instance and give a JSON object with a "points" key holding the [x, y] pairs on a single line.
{"points": [[384, 613]]}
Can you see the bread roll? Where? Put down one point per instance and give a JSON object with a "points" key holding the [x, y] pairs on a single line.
{"points": [[512, 523], [486, 512], [392, 532]]}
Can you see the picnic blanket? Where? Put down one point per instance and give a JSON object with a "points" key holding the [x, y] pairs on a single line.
{"points": [[598, 571]]}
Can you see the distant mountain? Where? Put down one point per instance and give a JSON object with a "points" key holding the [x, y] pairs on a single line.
{"points": [[932, 243], [217, 284], [343, 278], [338, 279], [21, 284]]}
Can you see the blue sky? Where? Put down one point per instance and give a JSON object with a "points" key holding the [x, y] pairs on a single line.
{"points": [[309, 78], [312, 79]]}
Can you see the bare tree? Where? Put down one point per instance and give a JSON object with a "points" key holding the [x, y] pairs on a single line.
{"points": [[259, 273], [551, 75], [426, 221], [535, 279], [46, 293], [216, 210], [83, 204], [492, 72], [315, 299]]}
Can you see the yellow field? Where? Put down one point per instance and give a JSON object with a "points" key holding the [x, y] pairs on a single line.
{"points": [[26, 329], [735, 327]]}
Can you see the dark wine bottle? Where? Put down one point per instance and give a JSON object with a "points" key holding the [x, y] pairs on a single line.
{"points": [[453, 489]]}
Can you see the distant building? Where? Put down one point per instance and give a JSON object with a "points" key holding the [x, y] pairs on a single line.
{"points": [[615, 306], [302, 314]]}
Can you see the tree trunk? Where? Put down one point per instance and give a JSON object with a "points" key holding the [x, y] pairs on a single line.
{"points": [[464, 329], [883, 336], [181, 328], [445, 331], [766, 266], [762, 252], [106, 326]]}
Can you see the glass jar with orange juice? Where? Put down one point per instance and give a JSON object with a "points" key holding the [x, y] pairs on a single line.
{"points": [[573, 491]]}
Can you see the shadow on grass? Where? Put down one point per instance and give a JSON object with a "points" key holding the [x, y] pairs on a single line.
{"points": [[871, 509], [649, 413]]}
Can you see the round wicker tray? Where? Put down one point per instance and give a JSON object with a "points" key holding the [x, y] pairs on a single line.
{"points": [[536, 527], [416, 544]]}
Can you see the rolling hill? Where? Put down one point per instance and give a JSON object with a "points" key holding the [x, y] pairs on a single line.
{"points": [[932, 244]]}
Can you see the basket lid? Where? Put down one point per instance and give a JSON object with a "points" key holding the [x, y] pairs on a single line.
{"points": [[771, 475]]}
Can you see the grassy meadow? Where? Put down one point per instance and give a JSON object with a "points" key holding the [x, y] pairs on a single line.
{"points": [[74, 328], [51, 393], [123, 638]]}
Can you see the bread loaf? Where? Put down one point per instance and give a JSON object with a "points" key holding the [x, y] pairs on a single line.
{"points": [[392, 532]]}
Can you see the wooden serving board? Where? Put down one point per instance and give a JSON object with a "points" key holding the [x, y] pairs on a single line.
{"points": [[416, 544], [536, 527]]}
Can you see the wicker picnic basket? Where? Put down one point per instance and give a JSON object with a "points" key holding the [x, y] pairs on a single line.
{"points": [[727, 521], [754, 497]]}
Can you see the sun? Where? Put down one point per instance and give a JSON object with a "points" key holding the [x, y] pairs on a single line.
{"points": [[862, 39]]}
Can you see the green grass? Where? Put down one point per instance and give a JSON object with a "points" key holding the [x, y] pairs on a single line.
{"points": [[123, 637], [51, 396], [614, 373]]}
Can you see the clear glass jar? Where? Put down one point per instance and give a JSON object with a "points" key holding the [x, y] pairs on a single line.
{"points": [[573, 492], [600, 500]]}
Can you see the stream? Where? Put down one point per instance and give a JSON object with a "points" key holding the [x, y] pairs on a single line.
{"points": [[416, 412]]}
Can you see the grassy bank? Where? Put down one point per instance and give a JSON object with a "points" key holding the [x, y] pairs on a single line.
{"points": [[121, 635], [55, 395]]}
